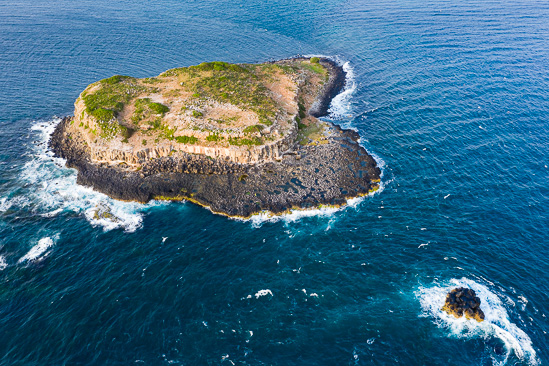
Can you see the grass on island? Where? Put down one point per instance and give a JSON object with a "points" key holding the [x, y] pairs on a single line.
{"points": [[239, 85], [145, 109], [312, 133], [253, 128], [186, 139], [228, 83], [109, 99], [240, 141]]}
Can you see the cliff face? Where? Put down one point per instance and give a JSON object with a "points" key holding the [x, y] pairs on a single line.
{"points": [[116, 152], [235, 128]]}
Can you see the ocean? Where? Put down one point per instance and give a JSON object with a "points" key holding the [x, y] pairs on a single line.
{"points": [[452, 100]]}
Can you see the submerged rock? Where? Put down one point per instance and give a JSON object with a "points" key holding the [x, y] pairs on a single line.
{"points": [[103, 212], [463, 301]]}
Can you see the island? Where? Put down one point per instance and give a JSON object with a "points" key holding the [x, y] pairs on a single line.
{"points": [[239, 139]]}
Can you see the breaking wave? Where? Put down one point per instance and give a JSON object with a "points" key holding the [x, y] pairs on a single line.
{"points": [[341, 106], [497, 323], [39, 251], [323, 211], [297, 214], [49, 188]]}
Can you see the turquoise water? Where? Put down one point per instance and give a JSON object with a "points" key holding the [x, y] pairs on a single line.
{"points": [[452, 100]]}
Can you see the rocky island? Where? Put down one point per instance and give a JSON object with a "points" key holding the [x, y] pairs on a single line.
{"points": [[239, 139], [463, 301]]}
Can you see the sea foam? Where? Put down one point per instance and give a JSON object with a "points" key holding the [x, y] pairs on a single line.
{"points": [[497, 323], [39, 251], [341, 106], [3, 263], [54, 188], [50, 188]]}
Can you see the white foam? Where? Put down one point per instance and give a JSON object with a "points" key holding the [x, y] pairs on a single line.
{"points": [[39, 250], [341, 106], [263, 293], [297, 214], [5, 204], [323, 211], [3, 263], [496, 324], [51, 188]]}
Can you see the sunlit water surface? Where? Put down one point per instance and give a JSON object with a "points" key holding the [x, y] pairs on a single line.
{"points": [[452, 100]]}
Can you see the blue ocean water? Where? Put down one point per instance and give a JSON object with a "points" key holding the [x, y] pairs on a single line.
{"points": [[452, 100]]}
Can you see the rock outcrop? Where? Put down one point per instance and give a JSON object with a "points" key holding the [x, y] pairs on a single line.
{"points": [[463, 301], [302, 163]]}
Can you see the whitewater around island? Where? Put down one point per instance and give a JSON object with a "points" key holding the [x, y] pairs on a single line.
{"points": [[52, 188], [497, 324]]}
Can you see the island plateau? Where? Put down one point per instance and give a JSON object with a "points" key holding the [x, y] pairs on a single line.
{"points": [[239, 139]]}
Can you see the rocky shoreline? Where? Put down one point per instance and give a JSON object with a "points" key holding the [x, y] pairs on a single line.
{"points": [[327, 172]]}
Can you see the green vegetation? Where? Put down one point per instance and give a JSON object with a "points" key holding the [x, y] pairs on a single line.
{"points": [[229, 83], [217, 66], [238, 141], [167, 132], [243, 86], [144, 142], [312, 132], [214, 137], [158, 108], [127, 133], [302, 110], [109, 99], [186, 139], [103, 114], [151, 80], [145, 108], [115, 79], [254, 128], [317, 68]]}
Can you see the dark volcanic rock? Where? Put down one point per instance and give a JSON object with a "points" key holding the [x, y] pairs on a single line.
{"points": [[327, 173], [333, 87], [323, 172], [463, 301]]}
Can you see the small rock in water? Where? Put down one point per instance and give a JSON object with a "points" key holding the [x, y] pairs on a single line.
{"points": [[463, 301], [104, 212]]}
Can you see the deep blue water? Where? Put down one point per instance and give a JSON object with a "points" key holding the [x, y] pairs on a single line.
{"points": [[452, 99]]}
